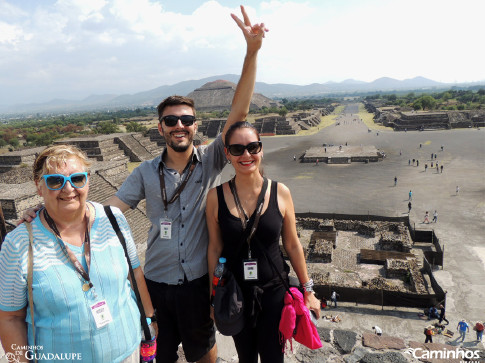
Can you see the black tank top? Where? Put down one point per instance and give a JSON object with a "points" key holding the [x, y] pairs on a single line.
{"points": [[266, 237]]}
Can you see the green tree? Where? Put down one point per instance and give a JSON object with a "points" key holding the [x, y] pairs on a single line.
{"points": [[135, 127], [14, 142], [425, 102], [282, 111], [106, 127], [446, 96]]}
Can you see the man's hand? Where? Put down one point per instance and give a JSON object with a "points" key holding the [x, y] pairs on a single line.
{"points": [[30, 214], [253, 34]]}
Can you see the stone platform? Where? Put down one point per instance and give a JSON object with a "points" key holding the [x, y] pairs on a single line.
{"points": [[342, 154]]}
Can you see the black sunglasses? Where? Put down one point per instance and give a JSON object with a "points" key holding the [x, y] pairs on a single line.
{"points": [[238, 149], [171, 120]]}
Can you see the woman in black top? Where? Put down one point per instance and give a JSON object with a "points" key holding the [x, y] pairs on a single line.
{"points": [[263, 296]]}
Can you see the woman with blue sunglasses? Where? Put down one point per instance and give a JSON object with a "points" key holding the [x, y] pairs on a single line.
{"points": [[83, 304]]}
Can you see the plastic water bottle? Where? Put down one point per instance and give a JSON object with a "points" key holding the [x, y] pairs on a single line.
{"points": [[151, 328], [148, 347], [218, 272]]}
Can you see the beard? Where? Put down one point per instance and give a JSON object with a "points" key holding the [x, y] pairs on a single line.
{"points": [[177, 147]]}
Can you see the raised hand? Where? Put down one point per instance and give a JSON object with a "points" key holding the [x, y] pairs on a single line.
{"points": [[253, 34]]}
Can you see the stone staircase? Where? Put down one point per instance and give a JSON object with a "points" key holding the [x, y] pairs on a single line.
{"points": [[151, 147], [100, 148], [214, 128], [18, 158], [134, 148]]}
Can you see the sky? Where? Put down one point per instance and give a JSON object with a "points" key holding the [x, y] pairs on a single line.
{"points": [[72, 49]]}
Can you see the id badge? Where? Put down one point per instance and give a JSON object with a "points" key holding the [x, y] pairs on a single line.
{"points": [[101, 313], [165, 228], [250, 269]]}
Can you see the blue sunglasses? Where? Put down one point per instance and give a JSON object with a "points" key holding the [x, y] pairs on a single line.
{"points": [[57, 181]]}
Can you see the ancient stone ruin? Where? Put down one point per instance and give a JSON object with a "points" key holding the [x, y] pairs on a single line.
{"points": [[218, 95], [372, 254], [401, 120]]}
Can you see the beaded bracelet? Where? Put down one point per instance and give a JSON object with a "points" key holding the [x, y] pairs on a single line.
{"points": [[308, 286]]}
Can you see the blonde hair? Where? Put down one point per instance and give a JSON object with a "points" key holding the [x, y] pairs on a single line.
{"points": [[55, 157]]}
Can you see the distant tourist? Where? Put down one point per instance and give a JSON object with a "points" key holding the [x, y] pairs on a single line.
{"points": [[395, 180], [426, 217], [442, 315], [435, 216], [429, 334], [409, 207], [457, 189], [334, 298], [294, 157], [479, 328], [377, 330], [441, 167], [410, 195], [463, 328]]}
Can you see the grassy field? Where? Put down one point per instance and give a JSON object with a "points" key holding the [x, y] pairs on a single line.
{"points": [[368, 119]]}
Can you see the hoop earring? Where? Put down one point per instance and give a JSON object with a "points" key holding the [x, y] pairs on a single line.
{"points": [[229, 161]]}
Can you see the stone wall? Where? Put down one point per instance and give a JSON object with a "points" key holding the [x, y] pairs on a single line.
{"points": [[396, 268]]}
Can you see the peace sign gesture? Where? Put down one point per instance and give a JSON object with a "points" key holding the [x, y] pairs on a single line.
{"points": [[253, 34]]}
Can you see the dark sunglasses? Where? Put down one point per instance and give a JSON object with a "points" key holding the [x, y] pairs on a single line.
{"points": [[171, 120], [238, 149], [57, 181]]}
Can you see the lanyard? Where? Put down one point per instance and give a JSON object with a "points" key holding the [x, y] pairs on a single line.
{"points": [[68, 253], [242, 215], [192, 162]]}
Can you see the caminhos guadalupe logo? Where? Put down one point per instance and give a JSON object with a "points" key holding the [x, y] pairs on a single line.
{"points": [[458, 353]]}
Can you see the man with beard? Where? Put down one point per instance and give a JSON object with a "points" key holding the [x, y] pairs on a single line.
{"points": [[175, 186]]}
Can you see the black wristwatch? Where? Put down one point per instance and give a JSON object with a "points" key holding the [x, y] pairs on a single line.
{"points": [[153, 317]]}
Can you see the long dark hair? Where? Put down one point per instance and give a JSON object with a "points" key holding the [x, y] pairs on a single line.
{"points": [[239, 125]]}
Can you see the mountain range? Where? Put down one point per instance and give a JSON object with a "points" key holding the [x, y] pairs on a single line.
{"points": [[277, 90]]}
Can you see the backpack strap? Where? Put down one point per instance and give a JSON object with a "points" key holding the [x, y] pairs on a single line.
{"points": [[30, 279], [116, 227]]}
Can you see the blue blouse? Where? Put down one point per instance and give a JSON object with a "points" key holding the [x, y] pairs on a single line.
{"points": [[62, 310]]}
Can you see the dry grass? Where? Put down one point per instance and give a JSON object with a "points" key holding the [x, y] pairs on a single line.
{"points": [[368, 119], [132, 165], [326, 121]]}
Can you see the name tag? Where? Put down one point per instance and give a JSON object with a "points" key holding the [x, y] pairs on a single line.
{"points": [[101, 314], [250, 269], [165, 228]]}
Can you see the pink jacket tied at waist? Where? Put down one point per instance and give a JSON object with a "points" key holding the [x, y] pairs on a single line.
{"points": [[296, 323]]}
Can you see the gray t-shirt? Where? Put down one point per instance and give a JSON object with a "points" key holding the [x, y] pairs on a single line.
{"points": [[167, 260]]}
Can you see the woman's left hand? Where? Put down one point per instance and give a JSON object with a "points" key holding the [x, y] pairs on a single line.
{"points": [[312, 303]]}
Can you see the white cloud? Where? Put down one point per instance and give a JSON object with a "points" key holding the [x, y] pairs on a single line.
{"points": [[74, 48]]}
